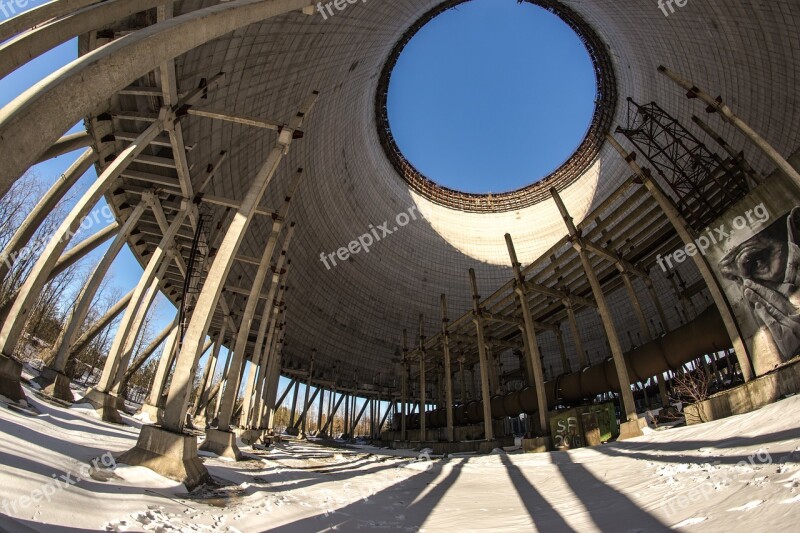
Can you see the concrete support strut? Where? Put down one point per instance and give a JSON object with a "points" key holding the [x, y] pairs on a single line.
{"points": [[687, 236], [628, 404], [483, 360]]}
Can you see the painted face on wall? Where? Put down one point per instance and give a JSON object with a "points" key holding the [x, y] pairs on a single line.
{"points": [[765, 267]]}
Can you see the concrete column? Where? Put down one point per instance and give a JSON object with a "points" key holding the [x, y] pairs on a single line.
{"points": [[177, 402], [404, 375], [532, 346], [307, 395], [208, 374], [648, 282], [293, 412], [144, 355], [99, 325], [486, 395], [14, 324], [319, 410], [583, 361], [142, 297], [422, 385], [687, 236], [61, 348], [662, 390], [628, 405], [462, 380], [269, 323], [566, 368], [267, 410], [637, 306], [153, 403], [448, 380]]}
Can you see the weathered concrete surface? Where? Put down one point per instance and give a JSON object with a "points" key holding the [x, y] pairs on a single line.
{"points": [[104, 403], [222, 443], [55, 384], [745, 398], [631, 429], [10, 378], [173, 455]]}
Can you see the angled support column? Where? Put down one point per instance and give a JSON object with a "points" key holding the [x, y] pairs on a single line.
{"points": [[637, 306], [145, 354], [54, 381], [99, 325], [201, 401], [448, 384], [687, 236], [46, 204], [128, 330], [534, 357], [319, 410], [177, 401], [565, 366], [483, 358], [726, 114], [306, 403], [583, 361], [264, 353], [648, 282], [152, 406], [631, 425], [14, 324], [334, 410]]}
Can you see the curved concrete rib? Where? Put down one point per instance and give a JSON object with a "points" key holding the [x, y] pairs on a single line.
{"points": [[31, 44], [39, 15], [35, 120]]}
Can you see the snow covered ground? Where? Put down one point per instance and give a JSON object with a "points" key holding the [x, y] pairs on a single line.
{"points": [[738, 474]]}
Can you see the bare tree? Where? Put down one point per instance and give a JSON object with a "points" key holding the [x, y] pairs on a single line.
{"points": [[692, 387]]}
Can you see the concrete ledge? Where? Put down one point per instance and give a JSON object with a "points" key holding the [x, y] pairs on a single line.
{"points": [[222, 443], [631, 429], [104, 403], [11, 378], [748, 397], [173, 455], [55, 384]]}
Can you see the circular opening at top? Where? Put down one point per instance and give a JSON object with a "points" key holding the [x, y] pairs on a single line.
{"points": [[483, 105], [491, 96]]}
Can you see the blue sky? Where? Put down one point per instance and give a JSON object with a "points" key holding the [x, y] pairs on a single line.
{"points": [[491, 96]]}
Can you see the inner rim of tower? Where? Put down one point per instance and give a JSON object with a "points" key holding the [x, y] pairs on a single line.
{"points": [[574, 167]]}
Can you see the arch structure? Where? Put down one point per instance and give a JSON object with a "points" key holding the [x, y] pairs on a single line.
{"points": [[244, 150]]}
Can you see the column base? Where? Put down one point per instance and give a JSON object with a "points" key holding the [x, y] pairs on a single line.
{"points": [[200, 422], [11, 379], [155, 414], [222, 443], [537, 444], [104, 403], [249, 436], [173, 455], [631, 429], [56, 384]]}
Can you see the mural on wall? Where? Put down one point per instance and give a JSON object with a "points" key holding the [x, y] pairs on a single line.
{"points": [[764, 270]]}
